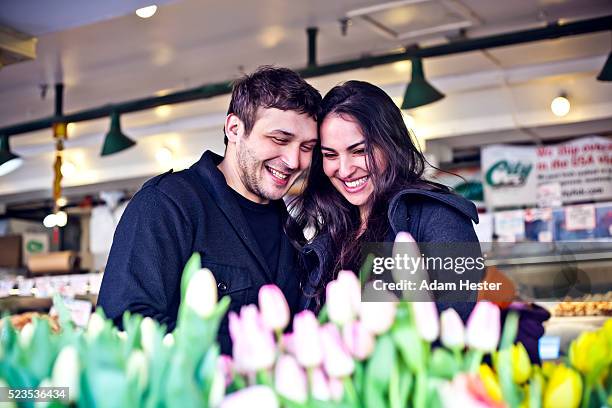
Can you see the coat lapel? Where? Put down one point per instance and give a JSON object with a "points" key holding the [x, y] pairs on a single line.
{"points": [[218, 188]]}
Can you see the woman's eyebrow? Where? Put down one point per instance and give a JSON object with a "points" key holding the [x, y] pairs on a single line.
{"points": [[355, 145]]}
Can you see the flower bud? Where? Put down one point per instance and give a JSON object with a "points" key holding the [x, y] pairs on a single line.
{"points": [[137, 368], [358, 340], [426, 319], [201, 294], [253, 396], [452, 332], [273, 306], [483, 327], [336, 358], [307, 339], [290, 379], [66, 372]]}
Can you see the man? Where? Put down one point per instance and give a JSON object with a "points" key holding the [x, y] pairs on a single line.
{"points": [[229, 209]]}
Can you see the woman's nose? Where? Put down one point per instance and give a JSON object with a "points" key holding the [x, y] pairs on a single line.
{"points": [[346, 168]]}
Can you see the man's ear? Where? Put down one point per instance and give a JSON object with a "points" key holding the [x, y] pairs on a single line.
{"points": [[234, 128]]}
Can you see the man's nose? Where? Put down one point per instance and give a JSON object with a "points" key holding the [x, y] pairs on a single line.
{"points": [[291, 157]]}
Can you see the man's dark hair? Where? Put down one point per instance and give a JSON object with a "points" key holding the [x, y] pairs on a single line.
{"points": [[272, 87]]}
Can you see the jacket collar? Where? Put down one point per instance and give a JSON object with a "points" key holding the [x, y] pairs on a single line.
{"points": [[214, 182]]}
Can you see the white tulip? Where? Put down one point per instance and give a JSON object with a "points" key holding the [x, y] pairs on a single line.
{"points": [[201, 294], [137, 368], [66, 372], [147, 335], [217, 389], [168, 340], [94, 326], [25, 336]]}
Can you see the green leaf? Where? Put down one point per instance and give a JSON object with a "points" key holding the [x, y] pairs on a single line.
{"points": [[443, 364], [510, 330], [366, 269], [419, 398], [535, 391], [378, 373], [503, 367], [410, 345]]}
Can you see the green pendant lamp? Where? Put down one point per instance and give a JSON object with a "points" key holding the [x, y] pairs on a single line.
{"points": [[419, 91], [9, 161], [606, 71], [115, 140]]}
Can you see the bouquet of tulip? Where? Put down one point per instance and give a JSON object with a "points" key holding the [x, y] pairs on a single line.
{"points": [[139, 367]]}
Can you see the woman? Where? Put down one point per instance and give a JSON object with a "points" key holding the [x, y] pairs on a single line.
{"points": [[365, 185]]}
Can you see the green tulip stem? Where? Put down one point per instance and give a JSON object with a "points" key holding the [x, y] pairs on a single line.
{"points": [[279, 340], [474, 358], [601, 393], [586, 395], [350, 391], [458, 356]]}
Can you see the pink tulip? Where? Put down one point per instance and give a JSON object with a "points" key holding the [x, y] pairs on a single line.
{"points": [[358, 340], [274, 307], [426, 319], [452, 332], [466, 390], [377, 317], [343, 297], [288, 343], [483, 327], [253, 348], [225, 365], [336, 358], [319, 385], [336, 389], [306, 339], [253, 396], [290, 379]]}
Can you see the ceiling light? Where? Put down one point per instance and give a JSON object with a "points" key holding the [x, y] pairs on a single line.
{"points": [[61, 202], [115, 140], [164, 155], [61, 219], [560, 106], [146, 12], [419, 92], [163, 111], [68, 168], [9, 161], [606, 71], [50, 221]]}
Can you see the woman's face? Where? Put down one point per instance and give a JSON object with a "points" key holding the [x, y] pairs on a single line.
{"points": [[345, 161]]}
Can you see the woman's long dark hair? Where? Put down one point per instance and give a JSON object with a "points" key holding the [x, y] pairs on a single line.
{"points": [[324, 209]]}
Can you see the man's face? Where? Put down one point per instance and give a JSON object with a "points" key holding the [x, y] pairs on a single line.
{"points": [[276, 152]]}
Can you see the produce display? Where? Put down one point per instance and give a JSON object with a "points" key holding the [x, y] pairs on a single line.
{"points": [[588, 305], [354, 354]]}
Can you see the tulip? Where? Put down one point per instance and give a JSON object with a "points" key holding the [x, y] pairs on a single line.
{"points": [[253, 396], [564, 389], [490, 382], [148, 330], [290, 379], [343, 297], [336, 358], [168, 340], [288, 343], [452, 332], [66, 372], [254, 348], [336, 389], [201, 294], [94, 326], [521, 363], [225, 365], [483, 327], [358, 340], [137, 368], [426, 319], [274, 307], [467, 390], [122, 335], [589, 351], [377, 317], [26, 334], [319, 385], [307, 339]]}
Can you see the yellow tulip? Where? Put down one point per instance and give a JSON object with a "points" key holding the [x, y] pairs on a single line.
{"points": [[564, 389], [589, 351], [521, 364], [490, 382]]}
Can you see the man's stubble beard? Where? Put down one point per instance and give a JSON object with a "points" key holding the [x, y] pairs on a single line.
{"points": [[247, 170]]}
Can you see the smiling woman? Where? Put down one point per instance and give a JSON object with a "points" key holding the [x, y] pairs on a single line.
{"points": [[366, 184]]}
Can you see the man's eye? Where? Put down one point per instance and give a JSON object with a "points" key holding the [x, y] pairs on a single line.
{"points": [[307, 148], [279, 140]]}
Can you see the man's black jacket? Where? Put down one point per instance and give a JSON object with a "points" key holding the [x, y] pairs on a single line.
{"points": [[173, 216]]}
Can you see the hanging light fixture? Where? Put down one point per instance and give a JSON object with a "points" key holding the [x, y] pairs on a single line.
{"points": [[115, 140], [9, 161], [606, 71], [419, 91]]}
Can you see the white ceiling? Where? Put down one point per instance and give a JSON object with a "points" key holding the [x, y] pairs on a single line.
{"points": [[105, 54]]}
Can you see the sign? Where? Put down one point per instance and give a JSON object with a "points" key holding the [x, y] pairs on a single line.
{"points": [[580, 217], [549, 176], [34, 243]]}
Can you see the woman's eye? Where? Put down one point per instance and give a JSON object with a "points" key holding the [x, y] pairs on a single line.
{"points": [[359, 151], [329, 155]]}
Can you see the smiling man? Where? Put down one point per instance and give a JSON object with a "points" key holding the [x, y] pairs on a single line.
{"points": [[229, 209]]}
